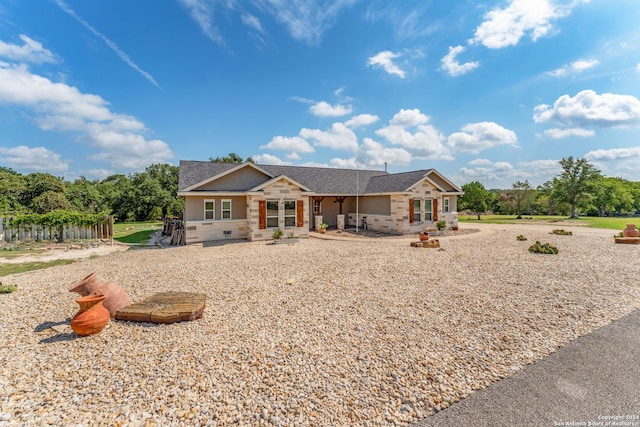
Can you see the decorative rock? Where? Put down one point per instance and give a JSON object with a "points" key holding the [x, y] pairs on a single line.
{"points": [[434, 243]]}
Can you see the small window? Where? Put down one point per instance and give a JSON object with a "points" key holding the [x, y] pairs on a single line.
{"points": [[272, 214], [209, 209], [428, 216], [416, 210], [289, 213], [445, 205], [226, 209]]}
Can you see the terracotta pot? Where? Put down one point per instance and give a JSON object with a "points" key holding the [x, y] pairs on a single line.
{"points": [[631, 231], [454, 228], [117, 297], [323, 230], [92, 317], [424, 236]]}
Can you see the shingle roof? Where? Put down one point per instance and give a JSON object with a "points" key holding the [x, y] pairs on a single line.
{"points": [[395, 183], [327, 180], [192, 172], [320, 180]]}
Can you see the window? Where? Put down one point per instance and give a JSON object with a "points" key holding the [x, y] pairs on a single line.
{"points": [[209, 209], [416, 210], [272, 214], [427, 210], [445, 205], [226, 209], [289, 213]]}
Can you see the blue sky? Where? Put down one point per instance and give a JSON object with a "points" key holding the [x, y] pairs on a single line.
{"points": [[495, 91]]}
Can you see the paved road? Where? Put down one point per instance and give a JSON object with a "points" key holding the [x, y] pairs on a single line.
{"points": [[594, 380]]}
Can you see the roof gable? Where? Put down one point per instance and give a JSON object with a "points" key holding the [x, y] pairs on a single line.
{"points": [[277, 179], [211, 176]]}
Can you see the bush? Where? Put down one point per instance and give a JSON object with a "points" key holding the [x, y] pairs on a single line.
{"points": [[545, 248], [7, 289], [277, 234], [561, 232], [521, 238]]}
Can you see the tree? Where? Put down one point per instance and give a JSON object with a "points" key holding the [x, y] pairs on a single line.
{"points": [[612, 195], [167, 176], [49, 201], [520, 197], [231, 158], [475, 197], [12, 188], [40, 183], [575, 184], [84, 195]]}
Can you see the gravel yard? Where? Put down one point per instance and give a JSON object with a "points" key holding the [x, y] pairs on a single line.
{"points": [[352, 332]]}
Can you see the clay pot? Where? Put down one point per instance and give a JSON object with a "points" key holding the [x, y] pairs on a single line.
{"points": [[424, 236], [631, 231], [92, 317], [117, 297]]}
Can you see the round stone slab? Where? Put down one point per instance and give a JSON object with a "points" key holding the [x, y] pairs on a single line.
{"points": [[165, 307]]}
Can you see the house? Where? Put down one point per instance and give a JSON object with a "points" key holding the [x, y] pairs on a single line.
{"points": [[249, 201]]}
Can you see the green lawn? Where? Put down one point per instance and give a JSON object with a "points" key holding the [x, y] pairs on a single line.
{"points": [[135, 232], [612, 223], [7, 269]]}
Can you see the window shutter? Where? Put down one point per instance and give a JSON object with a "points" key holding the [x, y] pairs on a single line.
{"points": [[262, 214], [435, 210], [411, 211], [300, 213]]}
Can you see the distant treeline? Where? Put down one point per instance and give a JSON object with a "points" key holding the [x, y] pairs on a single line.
{"points": [[580, 189]]}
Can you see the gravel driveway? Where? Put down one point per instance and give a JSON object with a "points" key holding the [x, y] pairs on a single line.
{"points": [[353, 332]]}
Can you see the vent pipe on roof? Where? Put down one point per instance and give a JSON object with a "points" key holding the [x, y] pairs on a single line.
{"points": [[385, 166]]}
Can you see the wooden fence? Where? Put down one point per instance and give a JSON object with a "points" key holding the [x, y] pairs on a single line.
{"points": [[14, 233]]}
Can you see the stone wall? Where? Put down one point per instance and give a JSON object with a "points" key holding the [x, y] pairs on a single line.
{"points": [[204, 231]]}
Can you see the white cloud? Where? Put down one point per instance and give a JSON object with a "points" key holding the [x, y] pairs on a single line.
{"points": [[349, 163], [574, 68], [324, 109], [37, 159], [638, 67], [423, 142], [303, 100], [306, 20], [506, 27], [476, 137], [121, 54], [480, 162], [453, 67], [251, 21], [31, 51], [503, 174], [339, 137], [202, 12], [565, 133], [268, 159], [294, 144], [588, 108], [614, 154], [408, 118], [373, 154], [361, 120], [59, 107], [385, 59]]}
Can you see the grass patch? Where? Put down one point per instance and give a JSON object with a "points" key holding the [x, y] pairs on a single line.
{"points": [[15, 253], [611, 223], [7, 269], [135, 232]]}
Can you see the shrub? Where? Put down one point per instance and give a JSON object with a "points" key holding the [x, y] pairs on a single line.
{"points": [[7, 289], [561, 232], [545, 248], [441, 224], [521, 238], [277, 234]]}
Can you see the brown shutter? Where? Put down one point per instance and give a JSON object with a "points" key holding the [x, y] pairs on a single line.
{"points": [[300, 213], [411, 212], [262, 214], [435, 210]]}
